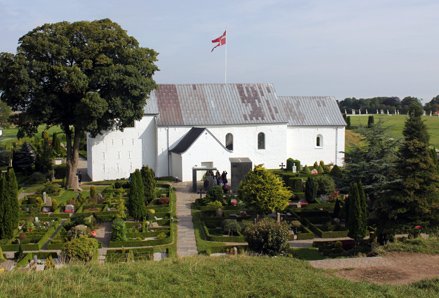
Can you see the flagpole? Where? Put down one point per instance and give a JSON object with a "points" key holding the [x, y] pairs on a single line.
{"points": [[225, 60]]}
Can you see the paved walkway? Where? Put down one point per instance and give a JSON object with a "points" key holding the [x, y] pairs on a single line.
{"points": [[186, 244]]}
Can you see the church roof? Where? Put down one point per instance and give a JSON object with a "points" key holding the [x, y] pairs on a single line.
{"points": [[229, 104], [311, 110], [188, 140]]}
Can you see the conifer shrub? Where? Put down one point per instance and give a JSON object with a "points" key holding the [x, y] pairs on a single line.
{"points": [[336, 172], [231, 226], [320, 170], [82, 249]]}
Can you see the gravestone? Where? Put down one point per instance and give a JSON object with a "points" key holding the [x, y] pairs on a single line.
{"points": [[49, 201], [235, 251], [44, 197], [37, 219], [278, 217], [294, 168], [70, 208]]}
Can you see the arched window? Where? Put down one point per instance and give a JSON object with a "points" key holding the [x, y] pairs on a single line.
{"points": [[319, 141], [229, 141], [261, 140]]}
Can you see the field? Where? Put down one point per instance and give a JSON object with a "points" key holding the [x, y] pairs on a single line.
{"points": [[396, 124]]}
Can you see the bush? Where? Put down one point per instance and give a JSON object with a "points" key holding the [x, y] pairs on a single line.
{"points": [[54, 205], [161, 236], [325, 184], [164, 200], [231, 226], [336, 172], [214, 206], [36, 178], [81, 249], [215, 194], [119, 230], [267, 236]]}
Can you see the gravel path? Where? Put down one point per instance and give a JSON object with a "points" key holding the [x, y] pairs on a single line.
{"points": [[350, 263]]}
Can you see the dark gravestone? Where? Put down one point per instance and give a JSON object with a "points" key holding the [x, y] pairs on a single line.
{"points": [[239, 169]]}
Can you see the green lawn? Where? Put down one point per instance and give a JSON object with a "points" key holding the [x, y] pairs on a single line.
{"points": [[396, 124]]}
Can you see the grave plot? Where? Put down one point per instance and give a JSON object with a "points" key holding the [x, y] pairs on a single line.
{"points": [[32, 235]]}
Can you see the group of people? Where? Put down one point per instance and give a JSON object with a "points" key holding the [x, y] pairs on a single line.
{"points": [[216, 179]]}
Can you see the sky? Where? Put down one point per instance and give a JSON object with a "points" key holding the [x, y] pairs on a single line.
{"points": [[341, 48]]}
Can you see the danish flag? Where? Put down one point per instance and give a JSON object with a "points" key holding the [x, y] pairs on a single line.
{"points": [[220, 40]]}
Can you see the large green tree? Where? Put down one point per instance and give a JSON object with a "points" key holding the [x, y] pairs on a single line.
{"points": [[264, 191], [148, 180], [83, 76], [5, 113], [413, 198], [372, 162]]}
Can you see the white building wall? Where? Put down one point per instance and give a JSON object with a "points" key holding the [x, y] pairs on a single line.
{"points": [[302, 144], [116, 154], [205, 149], [245, 144]]}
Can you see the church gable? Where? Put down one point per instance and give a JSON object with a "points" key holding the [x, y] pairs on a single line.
{"points": [[191, 137]]}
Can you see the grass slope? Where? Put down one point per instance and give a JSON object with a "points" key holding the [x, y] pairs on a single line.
{"points": [[396, 124], [199, 276]]}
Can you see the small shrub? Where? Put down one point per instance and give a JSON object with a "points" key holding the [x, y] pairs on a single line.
{"points": [[161, 236], [208, 252], [164, 200], [22, 236], [267, 236], [71, 201], [39, 203], [231, 226], [81, 249], [54, 205], [213, 206]]}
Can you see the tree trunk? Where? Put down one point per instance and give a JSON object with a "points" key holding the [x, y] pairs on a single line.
{"points": [[72, 155]]}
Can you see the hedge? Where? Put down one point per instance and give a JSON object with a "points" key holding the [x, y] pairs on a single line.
{"points": [[305, 234], [322, 234], [209, 237], [137, 243]]}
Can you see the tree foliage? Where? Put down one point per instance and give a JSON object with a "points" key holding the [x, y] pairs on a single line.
{"points": [[5, 114], [137, 206], [371, 162], [148, 179], [413, 198], [357, 212], [82, 76], [310, 190], [264, 191], [267, 236]]}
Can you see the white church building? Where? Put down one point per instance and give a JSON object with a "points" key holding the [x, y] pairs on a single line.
{"points": [[207, 125]]}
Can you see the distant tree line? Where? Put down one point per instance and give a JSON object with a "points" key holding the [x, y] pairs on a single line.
{"points": [[390, 104]]}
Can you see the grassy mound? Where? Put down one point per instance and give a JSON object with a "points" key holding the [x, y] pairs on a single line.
{"points": [[199, 276]]}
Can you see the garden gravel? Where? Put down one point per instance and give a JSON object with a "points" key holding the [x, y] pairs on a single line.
{"points": [[350, 263]]}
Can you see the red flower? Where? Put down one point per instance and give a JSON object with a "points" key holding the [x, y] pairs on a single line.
{"points": [[418, 227]]}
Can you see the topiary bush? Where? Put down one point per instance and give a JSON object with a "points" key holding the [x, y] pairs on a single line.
{"points": [[267, 236], [215, 194]]}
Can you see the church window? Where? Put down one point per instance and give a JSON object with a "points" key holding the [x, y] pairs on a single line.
{"points": [[319, 141], [103, 155], [261, 140], [229, 141]]}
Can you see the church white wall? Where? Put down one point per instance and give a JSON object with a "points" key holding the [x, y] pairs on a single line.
{"points": [[245, 144], [205, 149], [116, 154], [302, 144]]}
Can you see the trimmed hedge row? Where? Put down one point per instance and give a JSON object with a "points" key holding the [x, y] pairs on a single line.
{"points": [[209, 237], [322, 234], [305, 234], [136, 243]]}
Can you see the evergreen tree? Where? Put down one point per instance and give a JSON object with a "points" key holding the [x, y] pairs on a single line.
{"points": [[148, 179], [56, 144], [337, 208], [370, 121], [413, 199], [310, 190], [43, 161], [13, 197], [356, 223], [372, 162], [137, 207]]}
